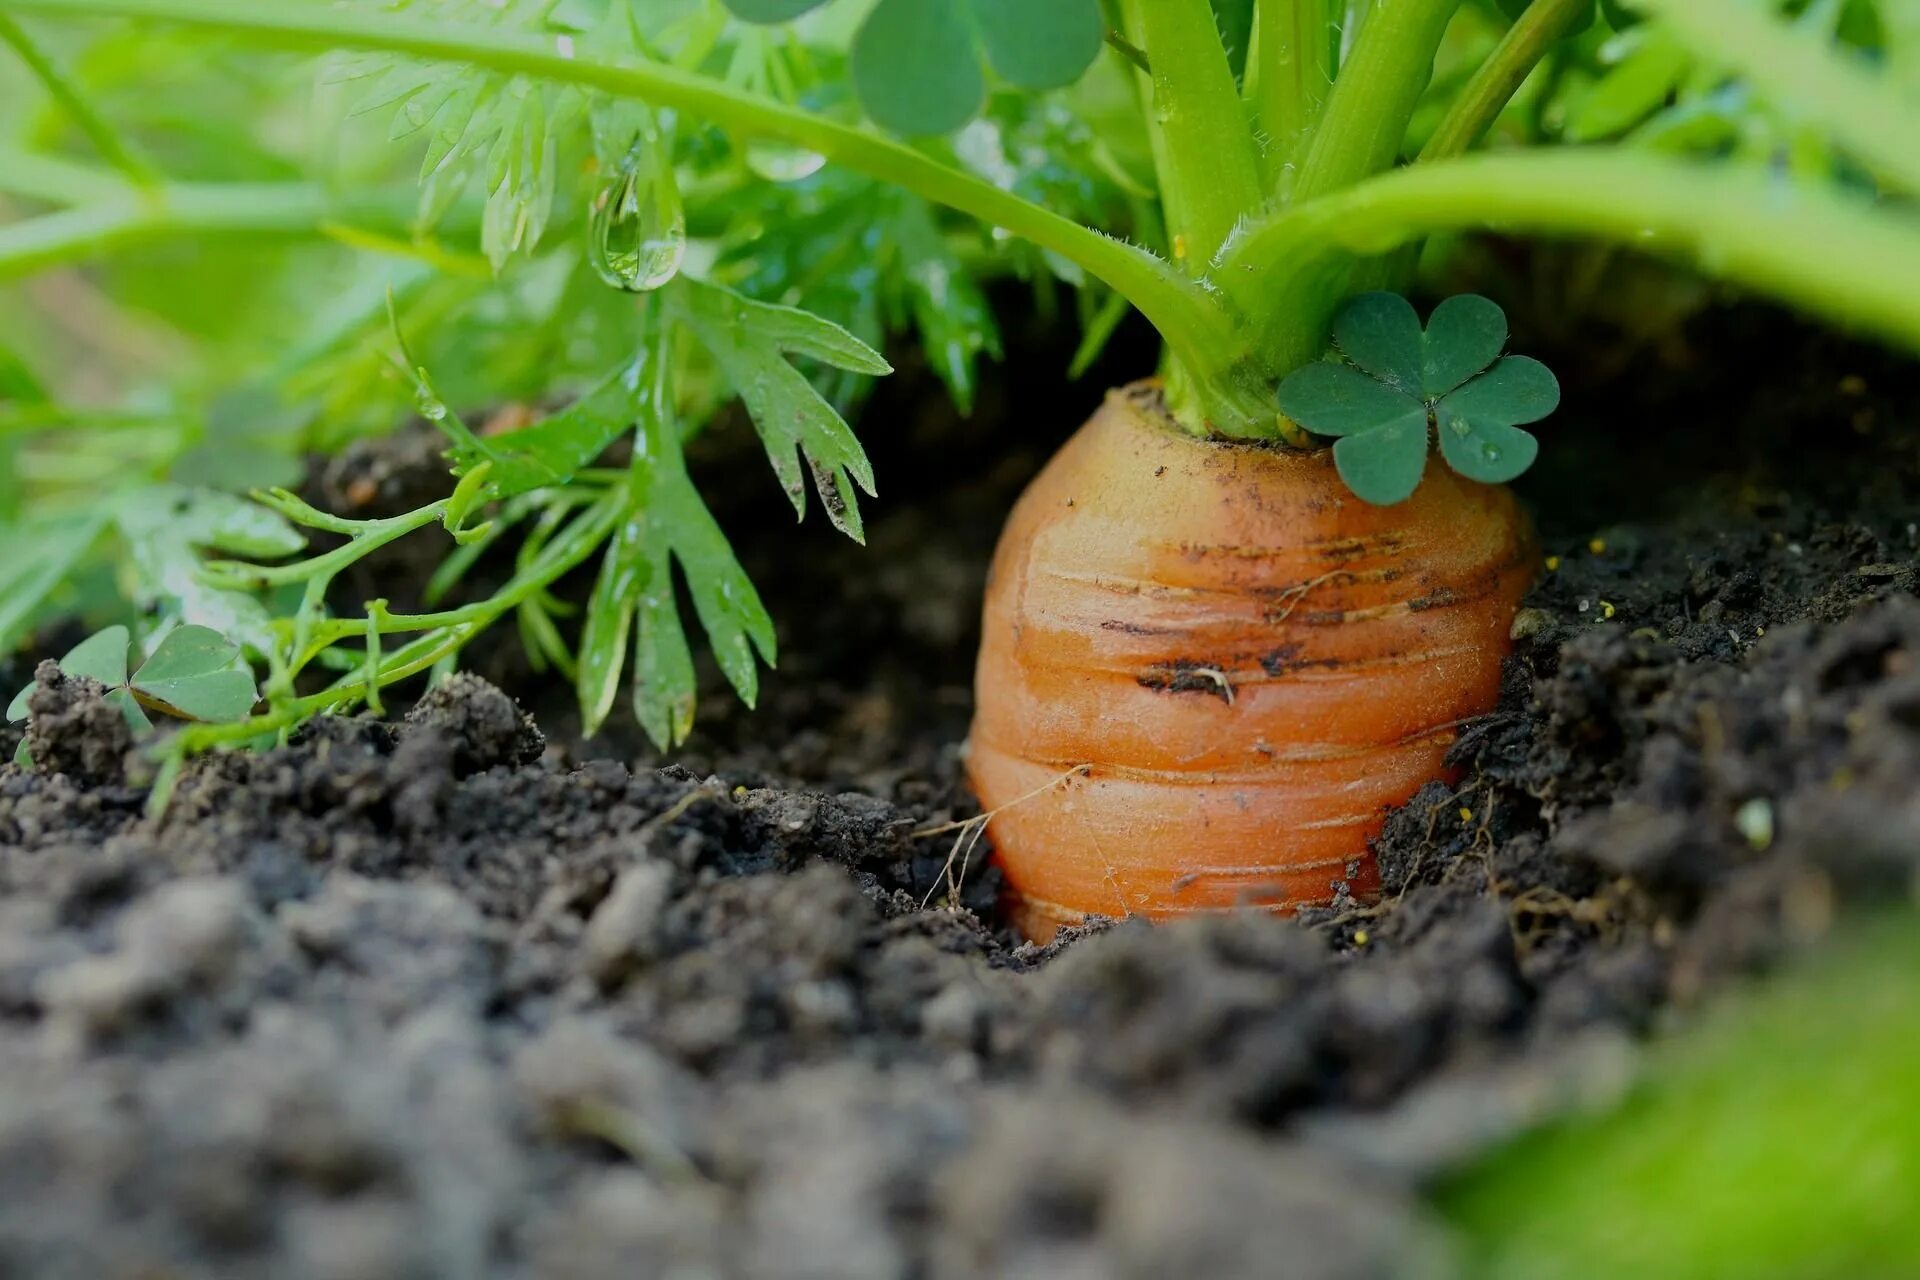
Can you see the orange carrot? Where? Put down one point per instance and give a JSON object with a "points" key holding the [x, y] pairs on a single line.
{"points": [[1251, 664]]}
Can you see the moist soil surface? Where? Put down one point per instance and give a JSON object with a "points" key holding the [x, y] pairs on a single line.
{"points": [[445, 997]]}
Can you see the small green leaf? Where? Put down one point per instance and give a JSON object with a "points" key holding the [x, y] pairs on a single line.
{"points": [[678, 525], [1479, 437], [129, 708], [914, 67], [663, 681], [767, 12], [197, 674], [609, 623], [23, 757], [1044, 45], [1465, 334], [1490, 452], [1381, 333], [1519, 389], [1331, 399], [101, 656], [750, 342], [1384, 466]]}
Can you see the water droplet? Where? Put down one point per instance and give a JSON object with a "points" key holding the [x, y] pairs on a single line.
{"points": [[778, 162], [637, 228], [1491, 452], [431, 406]]}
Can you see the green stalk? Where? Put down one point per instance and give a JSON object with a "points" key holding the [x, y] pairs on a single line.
{"points": [[135, 216], [1201, 332], [1863, 111], [1364, 123], [1292, 72], [1749, 227], [1361, 131], [50, 178], [105, 138], [1209, 172], [1487, 93]]}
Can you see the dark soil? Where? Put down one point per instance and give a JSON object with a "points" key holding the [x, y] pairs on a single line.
{"points": [[438, 999]]}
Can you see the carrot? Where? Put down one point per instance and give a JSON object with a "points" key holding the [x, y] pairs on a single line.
{"points": [[1207, 670]]}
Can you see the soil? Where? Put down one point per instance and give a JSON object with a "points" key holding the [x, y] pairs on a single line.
{"points": [[444, 998]]}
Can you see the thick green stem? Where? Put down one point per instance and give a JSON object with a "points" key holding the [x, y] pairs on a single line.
{"points": [[1209, 174], [1200, 331], [1361, 132], [1863, 111], [1364, 123], [105, 138], [1494, 83], [1747, 226], [1291, 72], [50, 178]]}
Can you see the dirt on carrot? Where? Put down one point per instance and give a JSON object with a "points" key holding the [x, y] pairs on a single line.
{"points": [[426, 998]]}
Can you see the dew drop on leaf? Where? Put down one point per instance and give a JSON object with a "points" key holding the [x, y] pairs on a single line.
{"points": [[637, 230], [777, 162]]}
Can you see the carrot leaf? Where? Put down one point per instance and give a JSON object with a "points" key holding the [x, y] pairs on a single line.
{"points": [[750, 342]]}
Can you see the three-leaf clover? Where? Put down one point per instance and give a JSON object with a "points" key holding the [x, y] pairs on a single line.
{"points": [[195, 673], [1400, 378], [916, 63]]}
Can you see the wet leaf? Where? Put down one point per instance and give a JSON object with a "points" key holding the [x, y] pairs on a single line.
{"points": [[197, 673], [914, 67], [750, 341]]}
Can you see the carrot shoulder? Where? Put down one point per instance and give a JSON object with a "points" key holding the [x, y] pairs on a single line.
{"points": [[1207, 670]]}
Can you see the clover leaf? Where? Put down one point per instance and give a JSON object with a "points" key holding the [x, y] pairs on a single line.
{"points": [[916, 64], [195, 673], [1397, 378]]}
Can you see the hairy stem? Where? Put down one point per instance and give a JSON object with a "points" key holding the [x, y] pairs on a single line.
{"points": [[1862, 110], [1202, 333], [1209, 175], [1364, 123], [1292, 72], [1494, 83], [1745, 226]]}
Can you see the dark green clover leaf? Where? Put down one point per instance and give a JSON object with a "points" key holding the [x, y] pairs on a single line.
{"points": [[916, 64], [196, 674], [1397, 378]]}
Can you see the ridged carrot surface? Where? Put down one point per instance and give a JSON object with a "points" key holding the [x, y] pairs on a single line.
{"points": [[1208, 670]]}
